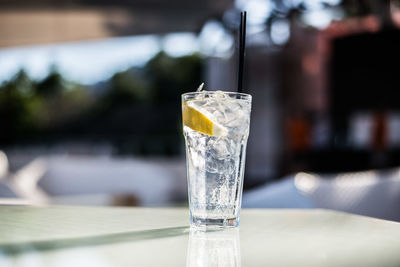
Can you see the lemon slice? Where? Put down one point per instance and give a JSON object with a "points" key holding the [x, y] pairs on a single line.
{"points": [[198, 120]]}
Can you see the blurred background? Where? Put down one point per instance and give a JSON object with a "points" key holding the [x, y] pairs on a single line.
{"points": [[90, 100]]}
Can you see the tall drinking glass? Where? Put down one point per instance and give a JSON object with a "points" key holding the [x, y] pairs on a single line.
{"points": [[216, 128]]}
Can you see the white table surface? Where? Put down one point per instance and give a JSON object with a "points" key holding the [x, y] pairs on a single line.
{"points": [[87, 236]]}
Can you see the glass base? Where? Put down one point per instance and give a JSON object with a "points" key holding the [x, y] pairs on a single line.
{"points": [[206, 223]]}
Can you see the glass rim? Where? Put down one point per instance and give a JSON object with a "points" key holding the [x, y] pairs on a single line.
{"points": [[243, 96]]}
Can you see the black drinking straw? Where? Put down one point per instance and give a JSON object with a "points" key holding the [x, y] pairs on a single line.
{"points": [[242, 45]]}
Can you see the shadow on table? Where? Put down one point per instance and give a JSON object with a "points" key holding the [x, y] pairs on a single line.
{"points": [[18, 248]]}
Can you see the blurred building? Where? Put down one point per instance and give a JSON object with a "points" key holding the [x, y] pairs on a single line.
{"points": [[323, 80], [343, 88]]}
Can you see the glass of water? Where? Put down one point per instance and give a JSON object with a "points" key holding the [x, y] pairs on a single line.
{"points": [[216, 128]]}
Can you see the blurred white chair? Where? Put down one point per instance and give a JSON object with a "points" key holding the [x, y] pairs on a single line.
{"points": [[370, 193], [74, 179], [94, 180], [3, 165], [24, 183]]}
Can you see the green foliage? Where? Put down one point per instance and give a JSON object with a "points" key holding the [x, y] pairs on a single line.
{"points": [[127, 88], [29, 109], [23, 84], [138, 109], [15, 115], [173, 76], [52, 85]]}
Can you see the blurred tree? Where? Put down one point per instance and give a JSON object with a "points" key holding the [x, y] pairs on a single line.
{"points": [[170, 77], [15, 118], [137, 110], [127, 88], [52, 85], [23, 83], [59, 111]]}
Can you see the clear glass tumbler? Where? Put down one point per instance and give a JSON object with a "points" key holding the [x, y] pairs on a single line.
{"points": [[216, 128]]}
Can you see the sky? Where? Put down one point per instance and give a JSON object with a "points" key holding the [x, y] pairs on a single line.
{"points": [[89, 62]]}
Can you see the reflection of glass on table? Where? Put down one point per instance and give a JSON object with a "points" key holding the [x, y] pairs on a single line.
{"points": [[215, 248]]}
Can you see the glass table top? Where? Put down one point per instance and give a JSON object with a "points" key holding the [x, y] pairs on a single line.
{"points": [[92, 236]]}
